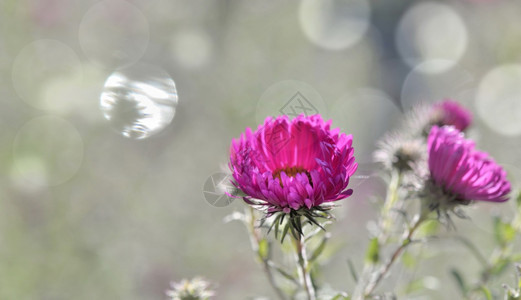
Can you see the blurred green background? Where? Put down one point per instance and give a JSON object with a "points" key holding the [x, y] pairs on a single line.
{"points": [[87, 213]]}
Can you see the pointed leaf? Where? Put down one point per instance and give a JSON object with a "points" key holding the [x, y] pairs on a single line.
{"points": [[296, 225], [285, 232], [320, 248], [486, 293], [428, 228], [373, 252], [500, 266], [503, 232], [283, 273], [276, 223], [415, 286], [459, 280], [264, 249], [312, 220], [409, 261], [341, 297], [352, 270]]}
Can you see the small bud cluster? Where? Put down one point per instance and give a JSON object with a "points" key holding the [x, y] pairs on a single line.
{"points": [[447, 170]]}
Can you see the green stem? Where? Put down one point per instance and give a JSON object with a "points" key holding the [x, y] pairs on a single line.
{"points": [[387, 219], [396, 254], [385, 223], [266, 263], [499, 254], [303, 265]]}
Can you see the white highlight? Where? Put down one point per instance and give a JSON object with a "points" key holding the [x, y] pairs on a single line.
{"points": [[114, 33], [334, 24], [498, 99], [47, 151], [139, 101], [432, 31]]}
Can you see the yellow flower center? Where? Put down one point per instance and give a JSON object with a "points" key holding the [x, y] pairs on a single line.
{"points": [[292, 172]]}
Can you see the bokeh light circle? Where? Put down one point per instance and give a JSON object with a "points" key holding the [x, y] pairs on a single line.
{"points": [[139, 101], [424, 87], [47, 151], [366, 114], [191, 48], [114, 33], [291, 98], [432, 31], [40, 63], [334, 24], [73, 96], [498, 100]]}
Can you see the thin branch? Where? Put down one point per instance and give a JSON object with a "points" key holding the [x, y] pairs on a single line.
{"points": [[396, 254], [303, 264], [266, 264]]}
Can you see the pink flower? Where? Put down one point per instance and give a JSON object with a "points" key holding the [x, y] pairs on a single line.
{"points": [[462, 172], [449, 112], [292, 164]]}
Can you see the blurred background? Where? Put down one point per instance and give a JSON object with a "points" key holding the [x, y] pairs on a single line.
{"points": [[115, 114]]}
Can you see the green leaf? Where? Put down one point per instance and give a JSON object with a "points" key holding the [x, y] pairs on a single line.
{"points": [[518, 199], [486, 292], [340, 297], [275, 224], [409, 261], [500, 266], [284, 232], [503, 232], [352, 270], [296, 225], [459, 280], [428, 228], [509, 232], [283, 273], [320, 248], [264, 249], [515, 257], [414, 286], [373, 252], [311, 219]]}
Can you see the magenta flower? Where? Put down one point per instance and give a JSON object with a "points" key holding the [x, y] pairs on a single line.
{"points": [[449, 112], [463, 173], [288, 164]]}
